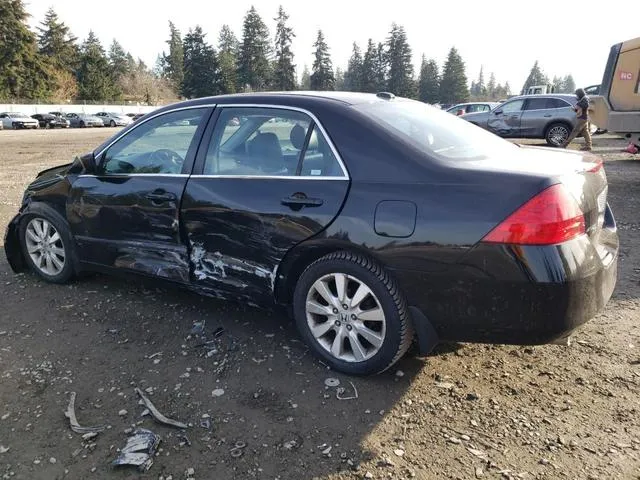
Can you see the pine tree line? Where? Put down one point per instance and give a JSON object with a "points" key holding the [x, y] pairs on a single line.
{"points": [[51, 64]]}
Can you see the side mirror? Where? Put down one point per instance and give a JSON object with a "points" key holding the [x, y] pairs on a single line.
{"points": [[497, 112], [85, 164]]}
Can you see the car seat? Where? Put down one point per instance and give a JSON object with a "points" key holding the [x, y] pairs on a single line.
{"points": [[266, 153]]}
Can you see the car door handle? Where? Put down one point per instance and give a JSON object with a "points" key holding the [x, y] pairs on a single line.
{"points": [[548, 115], [298, 201], [159, 196]]}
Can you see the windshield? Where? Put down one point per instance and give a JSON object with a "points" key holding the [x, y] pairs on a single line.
{"points": [[436, 132]]}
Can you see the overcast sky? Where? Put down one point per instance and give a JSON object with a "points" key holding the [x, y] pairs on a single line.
{"points": [[506, 37]]}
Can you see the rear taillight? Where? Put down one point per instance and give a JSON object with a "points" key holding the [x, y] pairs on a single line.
{"points": [[553, 216]]}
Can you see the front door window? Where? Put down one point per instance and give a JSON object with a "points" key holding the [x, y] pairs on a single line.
{"points": [[157, 146]]}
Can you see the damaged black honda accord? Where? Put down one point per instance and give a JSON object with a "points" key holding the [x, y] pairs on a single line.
{"points": [[377, 220]]}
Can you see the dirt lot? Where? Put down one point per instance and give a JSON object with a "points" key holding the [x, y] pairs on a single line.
{"points": [[466, 411]]}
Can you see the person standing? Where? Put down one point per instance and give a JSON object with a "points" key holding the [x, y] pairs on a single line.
{"points": [[582, 121]]}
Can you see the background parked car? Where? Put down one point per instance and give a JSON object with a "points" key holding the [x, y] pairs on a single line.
{"points": [[17, 120], [112, 119], [472, 107], [47, 120], [81, 120], [551, 117]]}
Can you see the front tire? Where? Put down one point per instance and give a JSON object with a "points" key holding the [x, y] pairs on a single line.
{"points": [[46, 245], [557, 134], [352, 314], [112, 124]]}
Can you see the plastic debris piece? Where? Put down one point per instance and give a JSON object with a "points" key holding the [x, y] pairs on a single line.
{"points": [[185, 439], [4, 449], [340, 392], [198, 328], [70, 413], [238, 449], [218, 392], [332, 382], [90, 435], [156, 414], [139, 450], [205, 424]]}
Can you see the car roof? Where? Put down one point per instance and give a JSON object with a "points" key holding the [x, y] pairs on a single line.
{"points": [[339, 97], [563, 96]]}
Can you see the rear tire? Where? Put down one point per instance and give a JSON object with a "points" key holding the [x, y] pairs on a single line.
{"points": [[556, 134], [112, 123], [47, 246], [352, 314], [82, 125]]}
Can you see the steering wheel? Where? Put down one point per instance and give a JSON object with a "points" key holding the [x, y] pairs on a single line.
{"points": [[171, 162]]}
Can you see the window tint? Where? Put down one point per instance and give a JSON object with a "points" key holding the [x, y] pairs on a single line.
{"points": [[556, 103], [159, 145], [319, 160], [537, 104], [257, 142], [511, 107]]}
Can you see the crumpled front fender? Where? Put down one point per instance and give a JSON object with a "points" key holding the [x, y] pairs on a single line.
{"points": [[12, 248]]}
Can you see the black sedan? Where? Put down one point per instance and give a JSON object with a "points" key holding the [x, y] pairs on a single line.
{"points": [[46, 120], [377, 220]]}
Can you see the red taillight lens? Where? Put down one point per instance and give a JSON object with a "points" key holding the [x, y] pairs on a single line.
{"points": [[553, 216]]}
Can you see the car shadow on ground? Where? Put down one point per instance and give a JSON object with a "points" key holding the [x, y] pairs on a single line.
{"points": [[254, 383]]}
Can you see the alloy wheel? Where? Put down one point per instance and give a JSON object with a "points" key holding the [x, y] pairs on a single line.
{"points": [[558, 135], [345, 317], [45, 247]]}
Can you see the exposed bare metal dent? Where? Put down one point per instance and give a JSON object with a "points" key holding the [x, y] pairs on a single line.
{"points": [[216, 266], [70, 413]]}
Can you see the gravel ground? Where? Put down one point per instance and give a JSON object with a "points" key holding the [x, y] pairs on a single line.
{"points": [[255, 399]]}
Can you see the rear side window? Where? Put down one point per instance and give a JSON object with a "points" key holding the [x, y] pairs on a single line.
{"points": [[557, 103], [319, 160], [267, 142], [536, 104]]}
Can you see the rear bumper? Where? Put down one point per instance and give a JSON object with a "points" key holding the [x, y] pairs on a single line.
{"points": [[516, 295]]}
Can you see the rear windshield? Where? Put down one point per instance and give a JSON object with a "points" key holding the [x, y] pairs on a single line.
{"points": [[436, 132]]}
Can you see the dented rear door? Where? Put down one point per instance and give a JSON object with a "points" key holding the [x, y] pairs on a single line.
{"points": [[265, 179]]}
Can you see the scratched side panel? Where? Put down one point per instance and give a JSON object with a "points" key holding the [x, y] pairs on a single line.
{"points": [[238, 230]]}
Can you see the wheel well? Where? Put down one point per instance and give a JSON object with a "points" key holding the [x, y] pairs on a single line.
{"points": [[297, 261]]}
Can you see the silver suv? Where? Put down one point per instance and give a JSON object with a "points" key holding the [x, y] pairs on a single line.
{"points": [[548, 116]]}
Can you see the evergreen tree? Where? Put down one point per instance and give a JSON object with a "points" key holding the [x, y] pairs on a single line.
{"points": [[491, 86], [339, 85], [353, 76], [227, 58], [94, 74], [56, 43], [398, 53], [254, 68], [23, 71], [479, 89], [453, 84], [119, 61], [284, 70], [369, 74], [507, 90], [173, 62], [201, 75], [305, 82], [322, 77], [429, 82], [536, 77], [380, 68], [557, 83], [568, 84]]}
